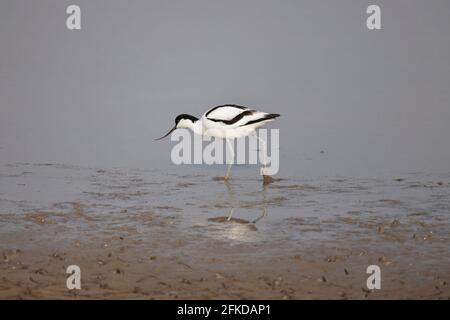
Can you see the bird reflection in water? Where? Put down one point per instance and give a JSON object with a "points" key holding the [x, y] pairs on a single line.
{"points": [[238, 228]]}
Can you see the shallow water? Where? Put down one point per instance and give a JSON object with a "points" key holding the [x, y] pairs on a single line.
{"points": [[286, 209]]}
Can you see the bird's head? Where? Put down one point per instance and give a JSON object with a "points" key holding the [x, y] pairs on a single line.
{"points": [[181, 121], [184, 121]]}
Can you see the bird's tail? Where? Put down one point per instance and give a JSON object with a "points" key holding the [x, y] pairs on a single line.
{"points": [[272, 116]]}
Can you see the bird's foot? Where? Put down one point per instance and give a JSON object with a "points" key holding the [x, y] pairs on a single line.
{"points": [[267, 179], [222, 178]]}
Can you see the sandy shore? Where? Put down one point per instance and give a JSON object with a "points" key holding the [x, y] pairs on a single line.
{"points": [[123, 263]]}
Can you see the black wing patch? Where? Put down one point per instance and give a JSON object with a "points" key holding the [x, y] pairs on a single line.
{"points": [[266, 117], [247, 112]]}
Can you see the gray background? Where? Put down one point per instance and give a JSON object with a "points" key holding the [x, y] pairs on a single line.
{"points": [[376, 101]]}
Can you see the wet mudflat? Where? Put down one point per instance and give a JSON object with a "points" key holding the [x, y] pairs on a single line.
{"points": [[153, 235]]}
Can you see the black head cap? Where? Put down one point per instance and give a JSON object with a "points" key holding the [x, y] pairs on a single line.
{"points": [[177, 120], [186, 117]]}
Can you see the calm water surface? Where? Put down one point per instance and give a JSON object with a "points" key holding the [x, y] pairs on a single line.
{"points": [[287, 209]]}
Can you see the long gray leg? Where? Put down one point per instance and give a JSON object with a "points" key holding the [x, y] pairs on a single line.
{"points": [[263, 169], [227, 175]]}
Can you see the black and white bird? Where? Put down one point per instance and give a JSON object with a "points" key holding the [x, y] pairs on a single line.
{"points": [[228, 121]]}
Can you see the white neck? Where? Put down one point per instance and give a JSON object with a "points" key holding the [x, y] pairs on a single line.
{"points": [[197, 127]]}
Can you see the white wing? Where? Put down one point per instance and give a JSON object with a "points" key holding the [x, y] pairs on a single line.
{"points": [[225, 112]]}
